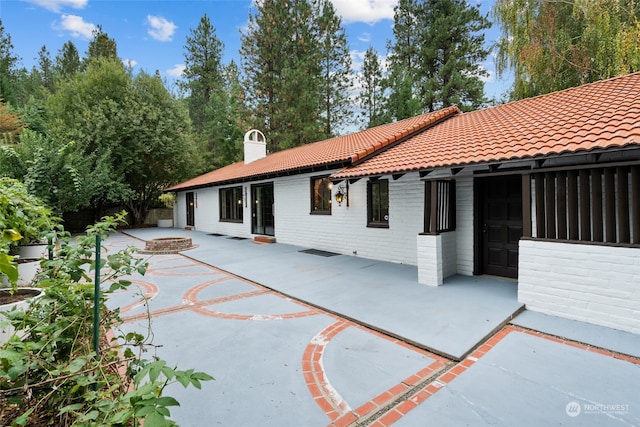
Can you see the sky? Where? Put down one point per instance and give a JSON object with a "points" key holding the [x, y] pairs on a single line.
{"points": [[151, 34]]}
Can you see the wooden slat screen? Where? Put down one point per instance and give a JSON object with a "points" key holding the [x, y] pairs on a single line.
{"points": [[440, 206], [592, 205]]}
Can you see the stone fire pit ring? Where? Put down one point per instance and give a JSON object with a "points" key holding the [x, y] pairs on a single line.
{"points": [[167, 245]]}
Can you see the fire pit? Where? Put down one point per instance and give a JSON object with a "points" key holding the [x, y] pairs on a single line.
{"points": [[167, 245]]}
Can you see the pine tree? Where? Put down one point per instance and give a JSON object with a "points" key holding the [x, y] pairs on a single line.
{"points": [[435, 60], [101, 46], [336, 70], [371, 95], [46, 69], [67, 61], [8, 63], [203, 72], [281, 63]]}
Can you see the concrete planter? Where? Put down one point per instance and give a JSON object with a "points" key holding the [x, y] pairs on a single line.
{"points": [[27, 271], [165, 223], [33, 251], [24, 297]]}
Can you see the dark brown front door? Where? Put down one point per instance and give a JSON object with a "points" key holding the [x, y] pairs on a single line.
{"points": [[501, 224]]}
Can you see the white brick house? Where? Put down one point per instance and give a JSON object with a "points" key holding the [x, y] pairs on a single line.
{"points": [[545, 191]]}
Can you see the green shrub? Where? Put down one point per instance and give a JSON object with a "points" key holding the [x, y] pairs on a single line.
{"points": [[51, 372]]}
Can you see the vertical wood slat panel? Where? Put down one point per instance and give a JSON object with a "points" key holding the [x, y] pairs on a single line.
{"points": [[572, 202], [433, 225], [540, 220], [609, 206], [635, 203], [596, 204], [561, 204], [550, 204], [585, 217], [452, 205], [526, 205], [623, 205], [427, 206]]}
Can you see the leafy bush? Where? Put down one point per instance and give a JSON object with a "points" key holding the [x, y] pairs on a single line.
{"points": [[50, 373], [23, 213]]}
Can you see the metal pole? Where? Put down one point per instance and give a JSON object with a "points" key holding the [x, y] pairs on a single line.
{"points": [[96, 301]]}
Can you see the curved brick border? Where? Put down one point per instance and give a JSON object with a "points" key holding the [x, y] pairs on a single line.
{"points": [[151, 291], [190, 299], [321, 389]]}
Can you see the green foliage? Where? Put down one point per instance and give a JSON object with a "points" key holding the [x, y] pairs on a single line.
{"points": [[8, 62], [23, 213], [335, 63], [371, 97], [49, 370], [551, 46], [287, 51], [435, 61], [120, 139]]}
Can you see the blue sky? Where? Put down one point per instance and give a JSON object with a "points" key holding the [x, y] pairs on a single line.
{"points": [[151, 34]]}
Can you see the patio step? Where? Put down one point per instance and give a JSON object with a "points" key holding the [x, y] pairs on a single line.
{"points": [[264, 239]]}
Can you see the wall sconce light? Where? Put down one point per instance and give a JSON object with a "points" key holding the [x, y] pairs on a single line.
{"points": [[341, 194]]}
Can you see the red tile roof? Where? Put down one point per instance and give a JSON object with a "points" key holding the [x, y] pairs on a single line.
{"points": [[335, 152], [599, 115]]}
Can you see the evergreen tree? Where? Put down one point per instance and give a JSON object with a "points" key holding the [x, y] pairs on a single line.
{"points": [[435, 60], [229, 120], [281, 62], [371, 95], [336, 70], [203, 71], [555, 45], [46, 69], [8, 63], [101, 46], [67, 61]]}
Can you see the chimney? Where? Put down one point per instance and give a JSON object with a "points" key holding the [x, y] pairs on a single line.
{"points": [[255, 146]]}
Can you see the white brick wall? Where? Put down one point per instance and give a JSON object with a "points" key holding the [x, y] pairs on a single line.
{"points": [[345, 230], [430, 268], [589, 283], [436, 257]]}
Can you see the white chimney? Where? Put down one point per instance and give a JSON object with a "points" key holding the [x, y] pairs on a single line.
{"points": [[255, 146]]}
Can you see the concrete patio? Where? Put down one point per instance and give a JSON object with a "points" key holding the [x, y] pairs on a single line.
{"points": [[278, 359], [449, 320]]}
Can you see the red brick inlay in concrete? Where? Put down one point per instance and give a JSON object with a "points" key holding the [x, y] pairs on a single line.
{"points": [[433, 387], [321, 389]]}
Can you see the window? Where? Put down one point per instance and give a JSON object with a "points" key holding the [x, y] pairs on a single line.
{"points": [[321, 195], [439, 206], [378, 203], [231, 205]]}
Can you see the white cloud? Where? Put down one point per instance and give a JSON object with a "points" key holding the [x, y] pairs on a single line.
{"points": [[129, 62], [369, 11], [57, 5], [161, 29], [177, 70], [365, 37], [76, 26]]}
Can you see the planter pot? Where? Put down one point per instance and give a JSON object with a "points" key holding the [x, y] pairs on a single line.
{"points": [[21, 299], [165, 223], [27, 271], [40, 250]]}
